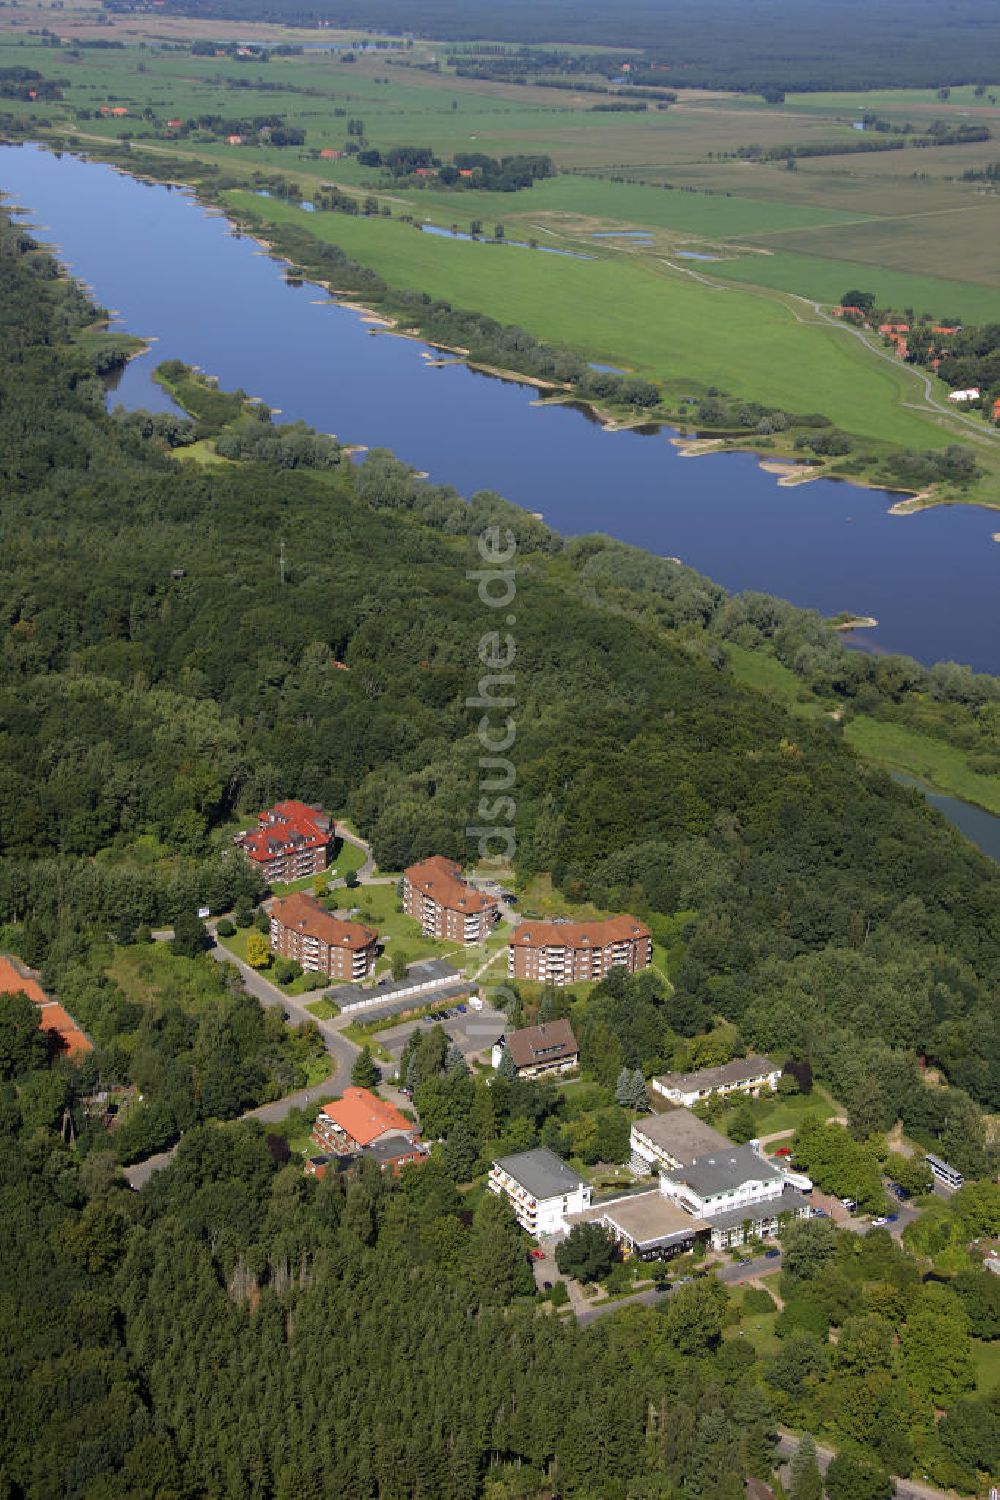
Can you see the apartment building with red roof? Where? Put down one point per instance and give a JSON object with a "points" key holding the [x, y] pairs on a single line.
{"points": [[292, 839], [445, 905], [320, 942], [58, 1023], [562, 952]]}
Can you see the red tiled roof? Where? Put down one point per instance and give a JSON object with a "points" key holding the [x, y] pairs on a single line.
{"points": [[304, 914], [285, 826], [440, 879], [579, 934], [364, 1116]]}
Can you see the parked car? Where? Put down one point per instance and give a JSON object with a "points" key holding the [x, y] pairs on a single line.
{"points": [[878, 1223], [849, 1204], [460, 1009], [536, 1254], [892, 1218], [547, 1286], [771, 1254], [819, 1213], [783, 1151]]}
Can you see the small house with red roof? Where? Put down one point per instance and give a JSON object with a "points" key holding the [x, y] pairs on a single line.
{"points": [[328, 154], [292, 839], [359, 1121]]}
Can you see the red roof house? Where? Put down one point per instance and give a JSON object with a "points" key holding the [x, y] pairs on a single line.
{"points": [[357, 1120]]}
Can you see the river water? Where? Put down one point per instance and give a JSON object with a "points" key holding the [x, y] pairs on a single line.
{"points": [[176, 273]]}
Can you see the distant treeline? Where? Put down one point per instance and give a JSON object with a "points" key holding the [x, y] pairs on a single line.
{"points": [[755, 46]]}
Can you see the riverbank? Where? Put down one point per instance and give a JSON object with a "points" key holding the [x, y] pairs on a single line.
{"points": [[303, 248]]}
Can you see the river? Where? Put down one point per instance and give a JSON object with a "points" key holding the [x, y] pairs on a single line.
{"points": [[175, 273]]}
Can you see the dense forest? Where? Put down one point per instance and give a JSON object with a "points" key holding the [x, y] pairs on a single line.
{"points": [[760, 45], [174, 638]]}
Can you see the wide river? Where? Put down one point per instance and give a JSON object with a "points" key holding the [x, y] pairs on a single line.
{"points": [[175, 272]]}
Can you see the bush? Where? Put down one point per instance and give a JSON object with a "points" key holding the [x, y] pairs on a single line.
{"points": [[225, 928], [757, 1299]]}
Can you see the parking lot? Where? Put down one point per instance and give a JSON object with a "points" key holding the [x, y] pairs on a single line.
{"points": [[474, 1031]]}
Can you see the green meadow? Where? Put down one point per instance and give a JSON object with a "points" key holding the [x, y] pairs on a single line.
{"points": [[827, 280], [665, 325]]}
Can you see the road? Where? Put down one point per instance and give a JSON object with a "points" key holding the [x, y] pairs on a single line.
{"points": [[762, 1266], [906, 1489]]}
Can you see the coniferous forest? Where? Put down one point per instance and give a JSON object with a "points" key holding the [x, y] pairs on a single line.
{"points": [[173, 645]]}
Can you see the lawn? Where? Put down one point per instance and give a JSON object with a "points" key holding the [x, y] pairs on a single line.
{"points": [[786, 1111], [942, 767], [347, 860], [323, 1009], [237, 945], [378, 906], [987, 1362]]}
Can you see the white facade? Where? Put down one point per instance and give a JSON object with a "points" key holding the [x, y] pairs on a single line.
{"points": [[537, 1214], [735, 1191], [705, 1205], [686, 1089]]}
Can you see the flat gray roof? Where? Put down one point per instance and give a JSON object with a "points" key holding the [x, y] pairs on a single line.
{"points": [[383, 1002], [740, 1070], [541, 1173], [644, 1218], [681, 1134], [722, 1170]]}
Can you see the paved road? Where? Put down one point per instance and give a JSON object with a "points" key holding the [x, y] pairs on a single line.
{"points": [[906, 1489], [762, 1266]]}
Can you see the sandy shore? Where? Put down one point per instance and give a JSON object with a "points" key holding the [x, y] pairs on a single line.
{"points": [[697, 447], [911, 503], [857, 622], [789, 473]]}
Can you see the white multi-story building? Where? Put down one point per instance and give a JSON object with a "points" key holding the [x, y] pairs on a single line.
{"points": [[736, 1192], [541, 1188], [745, 1075], [671, 1140]]}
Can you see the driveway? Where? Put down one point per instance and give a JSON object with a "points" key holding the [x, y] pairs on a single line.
{"points": [[474, 1032]]}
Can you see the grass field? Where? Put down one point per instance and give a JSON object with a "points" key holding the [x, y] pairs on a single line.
{"points": [[756, 670], [942, 767], [987, 1361], [149, 974], [237, 945], [664, 324]]}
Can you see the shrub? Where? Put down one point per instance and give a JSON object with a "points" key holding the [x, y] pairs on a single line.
{"points": [[225, 928]]}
